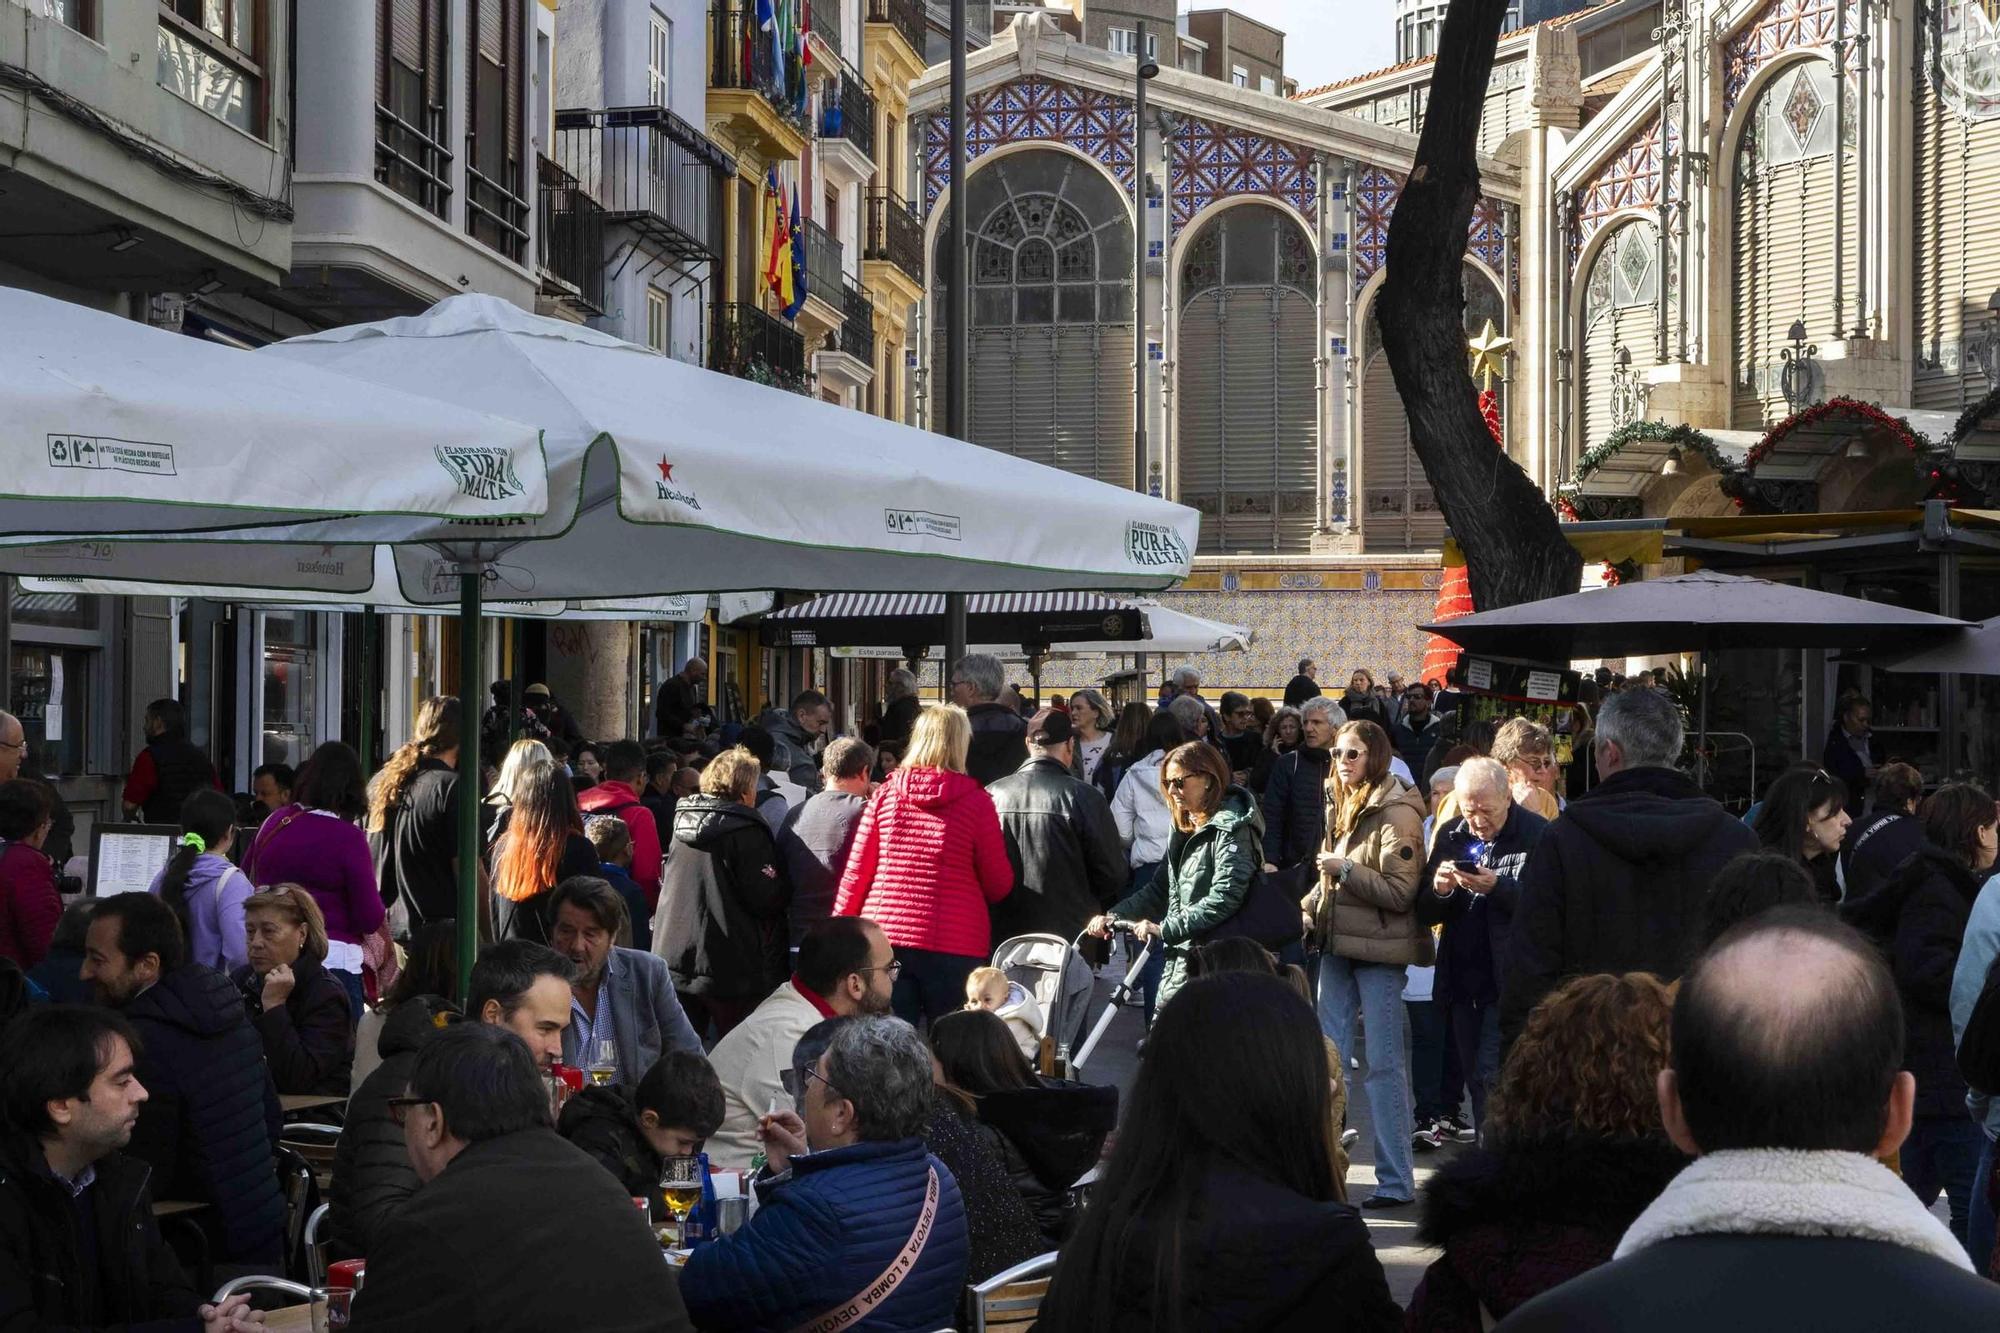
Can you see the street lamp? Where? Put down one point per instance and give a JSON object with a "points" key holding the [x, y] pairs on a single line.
{"points": [[1148, 68], [1796, 379], [1985, 349]]}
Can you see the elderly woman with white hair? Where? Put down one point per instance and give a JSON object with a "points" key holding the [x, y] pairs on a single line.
{"points": [[1471, 886], [900, 708]]}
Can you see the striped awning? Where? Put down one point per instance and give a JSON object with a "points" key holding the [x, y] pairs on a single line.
{"points": [[847, 605]]}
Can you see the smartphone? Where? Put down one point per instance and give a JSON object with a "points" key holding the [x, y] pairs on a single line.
{"points": [[1466, 867]]}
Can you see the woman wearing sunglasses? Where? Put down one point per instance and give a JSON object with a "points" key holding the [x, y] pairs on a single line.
{"points": [[1213, 853], [1362, 914], [1804, 816]]}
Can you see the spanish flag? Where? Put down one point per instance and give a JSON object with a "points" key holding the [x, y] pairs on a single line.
{"points": [[778, 266]]}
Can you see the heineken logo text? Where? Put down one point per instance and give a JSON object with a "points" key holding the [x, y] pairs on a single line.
{"points": [[1154, 547], [482, 473]]}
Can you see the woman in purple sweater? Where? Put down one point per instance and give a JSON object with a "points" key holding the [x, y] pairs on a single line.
{"points": [[315, 842]]}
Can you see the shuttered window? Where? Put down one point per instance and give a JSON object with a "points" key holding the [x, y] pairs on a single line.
{"points": [[1619, 312], [659, 58], [1957, 255], [1050, 356], [496, 208], [410, 102], [1247, 438], [1784, 234]]}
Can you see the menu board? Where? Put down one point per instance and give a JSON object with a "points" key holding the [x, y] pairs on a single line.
{"points": [[124, 858]]}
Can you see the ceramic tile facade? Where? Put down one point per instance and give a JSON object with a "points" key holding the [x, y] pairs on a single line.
{"points": [[1213, 162], [1096, 124], [1780, 27], [1375, 194]]}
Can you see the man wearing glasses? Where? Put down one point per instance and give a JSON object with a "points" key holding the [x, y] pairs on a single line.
{"points": [[846, 966]]}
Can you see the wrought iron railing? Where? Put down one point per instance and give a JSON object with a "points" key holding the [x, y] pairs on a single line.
{"points": [[569, 235], [850, 116], [653, 172], [894, 233], [742, 54], [412, 159], [496, 213], [823, 22], [857, 328], [756, 346], [905, 16], [823, 263]]}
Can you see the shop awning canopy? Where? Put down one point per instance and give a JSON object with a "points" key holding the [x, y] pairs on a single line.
{"points": [[1166, 631], [1801, 447], [665, 477], [1972, 652], [111, 427], [916, 620], [1636, 464], [1688, 613]]}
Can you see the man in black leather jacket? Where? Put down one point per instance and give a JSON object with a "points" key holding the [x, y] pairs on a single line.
{"points": [[1068, 862]]}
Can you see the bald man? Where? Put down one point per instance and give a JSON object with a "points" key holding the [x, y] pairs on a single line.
{"points": [[1786, 1085], [13, 746]]}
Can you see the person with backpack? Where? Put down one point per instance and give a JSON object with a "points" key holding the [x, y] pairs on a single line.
{"points": [[205, 890]]}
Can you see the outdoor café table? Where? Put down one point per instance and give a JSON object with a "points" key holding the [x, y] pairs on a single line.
{"points": [[295, 1102], [291, 1319]]}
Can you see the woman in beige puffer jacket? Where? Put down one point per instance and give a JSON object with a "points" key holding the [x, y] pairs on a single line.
{"points": [[1362, 916]]}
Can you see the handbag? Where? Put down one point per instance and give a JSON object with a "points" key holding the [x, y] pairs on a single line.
{"points": [[1269, 915]]}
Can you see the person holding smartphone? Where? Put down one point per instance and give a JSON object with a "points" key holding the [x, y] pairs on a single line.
{"points": [[1471, 887]]}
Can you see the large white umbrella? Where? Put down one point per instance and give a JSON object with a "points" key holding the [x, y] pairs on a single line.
{"points": [[1166, 631], [111, 426]]}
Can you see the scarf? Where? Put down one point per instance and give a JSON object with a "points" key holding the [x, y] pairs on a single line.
{"points": [[1787, 1192]]}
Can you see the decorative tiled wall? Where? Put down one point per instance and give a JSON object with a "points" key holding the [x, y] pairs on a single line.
{"points": [[1211, 162], [1096, 124]]}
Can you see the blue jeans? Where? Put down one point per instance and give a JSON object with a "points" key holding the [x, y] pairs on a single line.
{"points": [[1980, 1227], [1475, 1029], [1942, 1154], [1156, 966], [1373, 992], [1427, 1049]]}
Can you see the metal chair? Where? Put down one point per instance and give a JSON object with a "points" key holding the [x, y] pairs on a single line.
{"points": [[316, 1248], [315, 1143], [300, 1191], [1011, 1300]]}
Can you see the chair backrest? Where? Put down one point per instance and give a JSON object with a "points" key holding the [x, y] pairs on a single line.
{"points": [[296, 1183], [316, 1246], [1011, 1300]]}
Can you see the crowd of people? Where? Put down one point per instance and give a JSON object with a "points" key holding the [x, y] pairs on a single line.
{"points": [[1692, 1069]]}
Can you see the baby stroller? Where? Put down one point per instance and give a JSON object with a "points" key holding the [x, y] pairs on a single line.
{"points": [[1049, 968]]}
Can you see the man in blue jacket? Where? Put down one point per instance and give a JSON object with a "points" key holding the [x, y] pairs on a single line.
{"points": [[857, 1224]]}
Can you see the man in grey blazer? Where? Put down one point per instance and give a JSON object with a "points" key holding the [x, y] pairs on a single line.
{"points": [[625, 996]]}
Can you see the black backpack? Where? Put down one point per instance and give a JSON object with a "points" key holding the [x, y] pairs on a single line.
{"points": [[1979, 1048]]}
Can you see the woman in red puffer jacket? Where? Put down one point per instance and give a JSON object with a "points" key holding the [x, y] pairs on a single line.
{"points": [[927, 862]]}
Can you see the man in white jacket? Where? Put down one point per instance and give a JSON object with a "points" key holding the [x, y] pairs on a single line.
{"points": [[846, 966], [1787, 1087]]}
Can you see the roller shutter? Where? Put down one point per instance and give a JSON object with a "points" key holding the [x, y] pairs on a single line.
{"points": [[1957, 256]]}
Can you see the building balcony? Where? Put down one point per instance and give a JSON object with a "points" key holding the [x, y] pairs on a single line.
{"points": [[904, 19], [892, 248], [755, 346], [847, 132], [823, 27], [496, 212], [569, 241], [823, 268], [753, 101], [653, 173], [848, 359]]}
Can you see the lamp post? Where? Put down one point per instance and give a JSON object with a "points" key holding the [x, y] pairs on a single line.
{"points": [[1796, 379], [958, 312], [1147, 69]]}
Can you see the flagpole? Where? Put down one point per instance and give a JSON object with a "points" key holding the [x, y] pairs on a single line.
{"points": [[957, 312]]}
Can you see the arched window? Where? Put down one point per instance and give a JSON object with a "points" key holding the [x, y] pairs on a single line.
{"points": [[1785, 205], [1620, 313], [1248, 438], [1051, 342], [1399, 511]]}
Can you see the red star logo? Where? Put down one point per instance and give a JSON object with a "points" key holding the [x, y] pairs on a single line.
{"points": [[666, 469]]}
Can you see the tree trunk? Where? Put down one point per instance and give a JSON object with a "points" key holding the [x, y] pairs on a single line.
{"points": [[1514, 548]]}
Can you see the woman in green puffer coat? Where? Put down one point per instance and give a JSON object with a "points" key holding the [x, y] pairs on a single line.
{"points": [[1212, 856]]}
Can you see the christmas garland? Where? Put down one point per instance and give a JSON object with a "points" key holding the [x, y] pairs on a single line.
{"points": [[1897, 428], [1681, 437]]}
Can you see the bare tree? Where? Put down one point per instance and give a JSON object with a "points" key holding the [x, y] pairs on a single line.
{"points": [[1514, 548]]}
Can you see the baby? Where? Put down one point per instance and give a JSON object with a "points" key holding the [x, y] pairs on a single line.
{"points": [[988, 988]]}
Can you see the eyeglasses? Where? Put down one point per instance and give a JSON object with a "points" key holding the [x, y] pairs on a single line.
{"points": [[21, 744], [1824, 779], [1535, 763], [399, 1108], [813, 1075], [1349, 754], [894, 969]]}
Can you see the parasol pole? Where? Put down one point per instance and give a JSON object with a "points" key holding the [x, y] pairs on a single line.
{"points": [[468, 774]]}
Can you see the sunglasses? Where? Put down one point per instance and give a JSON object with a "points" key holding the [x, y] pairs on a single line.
{"points": [[399, 1108], [1176, 784], [1350, 754], [1535, 763]]}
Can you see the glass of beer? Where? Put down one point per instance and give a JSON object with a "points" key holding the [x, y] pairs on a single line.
{"points": [[602, 1062], [680, 1190]]}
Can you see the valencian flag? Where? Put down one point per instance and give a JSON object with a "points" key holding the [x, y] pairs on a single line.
{"points": [[798, 257], [778, 273]]}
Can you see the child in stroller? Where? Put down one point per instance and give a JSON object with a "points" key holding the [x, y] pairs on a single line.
{"points": [[988, 988]]}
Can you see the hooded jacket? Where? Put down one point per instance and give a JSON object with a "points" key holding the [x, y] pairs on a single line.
{"points": [[1371, 915], [814, 842], [309, 1039], [793, 747], [928, 860], [1064, 849], [1616, 885], [1049, 1136], [372, 1174], [1918, 919], [124, 1278], [1139, 809], [999, 742], [1876, 847], [1256, 1258], [1514, 1223], [1202, 883], [209, 1126], [612, 797], [721, 921], [604, 1123], [214, 898]]}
